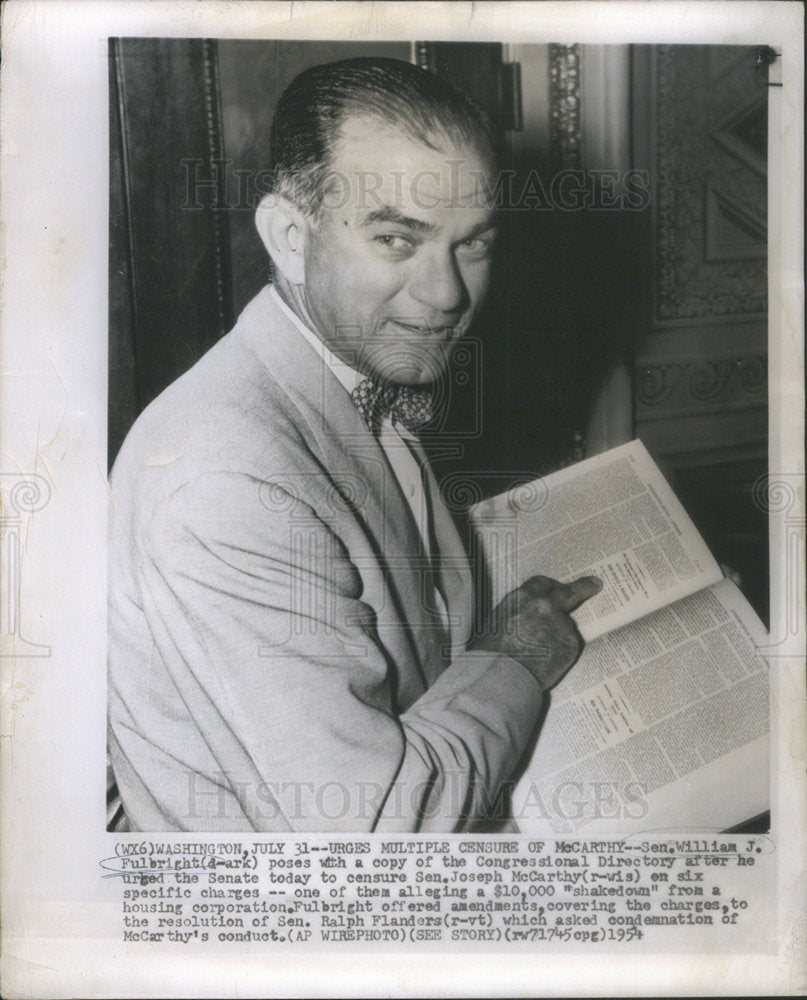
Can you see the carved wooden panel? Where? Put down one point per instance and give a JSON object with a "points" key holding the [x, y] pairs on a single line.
{"points": [[700, 367], [701, 126], [564, 106], [710, 135]]}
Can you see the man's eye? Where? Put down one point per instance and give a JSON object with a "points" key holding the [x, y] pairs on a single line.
{"points": [[392, 241], [476, 247]]}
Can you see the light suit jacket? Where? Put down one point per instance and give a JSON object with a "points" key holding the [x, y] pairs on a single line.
{"points": [[274, 664]]}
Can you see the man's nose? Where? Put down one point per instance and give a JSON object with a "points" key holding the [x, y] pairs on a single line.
{"points": [[437, 283]]}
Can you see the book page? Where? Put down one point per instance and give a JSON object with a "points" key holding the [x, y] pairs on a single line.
{"points": [[663, 723], [614, 516]]}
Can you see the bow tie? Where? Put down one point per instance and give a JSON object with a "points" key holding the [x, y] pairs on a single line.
{"points": [[409, 405]]}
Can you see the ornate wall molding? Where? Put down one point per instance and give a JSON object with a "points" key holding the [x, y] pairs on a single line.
{"points": [[565, 134], [688, 161], [426, 56], [215, 151], [744, 132], [689, 384]]}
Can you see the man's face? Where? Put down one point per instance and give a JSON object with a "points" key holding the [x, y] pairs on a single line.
{"points": [[398, 264]]}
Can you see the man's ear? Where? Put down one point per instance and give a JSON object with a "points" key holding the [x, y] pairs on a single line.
{"points": [[284, 231]]}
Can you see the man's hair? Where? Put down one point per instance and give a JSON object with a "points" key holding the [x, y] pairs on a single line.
{"points": [[313, 108]]}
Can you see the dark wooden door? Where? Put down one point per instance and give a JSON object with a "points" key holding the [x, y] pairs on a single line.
{"points": [[169, 281]]}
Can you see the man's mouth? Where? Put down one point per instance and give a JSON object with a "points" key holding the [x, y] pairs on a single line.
{"points": [[440, 330]]}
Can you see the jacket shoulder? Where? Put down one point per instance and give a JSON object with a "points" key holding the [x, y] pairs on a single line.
{"points": [[230, 411]]}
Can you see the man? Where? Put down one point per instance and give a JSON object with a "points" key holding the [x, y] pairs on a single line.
{"points": [[290, 620]]}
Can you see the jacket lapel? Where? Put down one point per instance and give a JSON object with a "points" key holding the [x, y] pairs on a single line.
{"points": [[355, 464]]}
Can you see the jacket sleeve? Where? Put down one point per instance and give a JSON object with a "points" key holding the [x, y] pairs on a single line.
{"points": [[263, 640]]}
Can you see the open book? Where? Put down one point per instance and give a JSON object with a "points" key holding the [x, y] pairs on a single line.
{"points": [[663, 721]]}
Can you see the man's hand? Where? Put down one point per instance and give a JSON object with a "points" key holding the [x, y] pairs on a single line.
{"points": [[532, 625]]}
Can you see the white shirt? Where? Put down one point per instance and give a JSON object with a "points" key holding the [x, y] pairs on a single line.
{"points": [[395, 439]]}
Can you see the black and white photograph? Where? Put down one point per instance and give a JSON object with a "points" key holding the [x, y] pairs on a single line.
{"points": [[299, 640], [411, 442]]}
